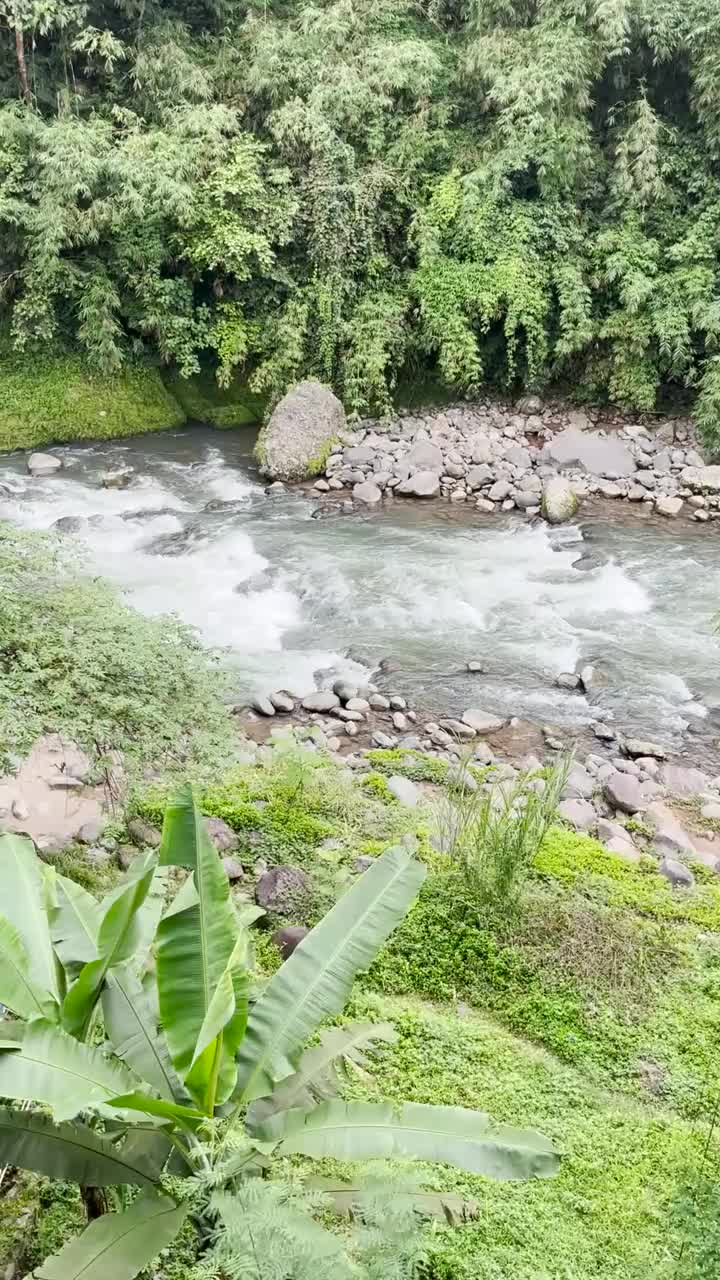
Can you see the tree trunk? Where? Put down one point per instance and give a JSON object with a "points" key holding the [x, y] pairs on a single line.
{"points": [[21, 64], [95, 1202]]}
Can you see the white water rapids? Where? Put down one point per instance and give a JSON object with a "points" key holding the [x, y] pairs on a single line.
{"points": [[287, 595]]}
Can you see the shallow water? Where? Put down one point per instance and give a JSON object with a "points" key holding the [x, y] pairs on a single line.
{"points": [[287, 595]]}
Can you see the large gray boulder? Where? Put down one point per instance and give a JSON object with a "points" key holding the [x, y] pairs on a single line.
{"points": [[421, 484], [559, 501], [706, 479], [600, 455], [297, 440]]}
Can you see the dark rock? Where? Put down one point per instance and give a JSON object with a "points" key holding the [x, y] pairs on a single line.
{"points": [[283, 701], [677, 873], [143, 834], [288, 938], [126, 855], [232, 869], [222, 835], [282, 890], [363, 863]]}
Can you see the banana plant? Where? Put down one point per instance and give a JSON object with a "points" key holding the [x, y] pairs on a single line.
{"points": [[134, 1028]]}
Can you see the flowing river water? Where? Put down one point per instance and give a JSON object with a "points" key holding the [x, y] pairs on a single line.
{"points": [[287, 595]]}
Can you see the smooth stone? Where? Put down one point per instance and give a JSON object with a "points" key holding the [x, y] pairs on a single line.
{"points": [[475, 667], [351, 729], [323, 700], [457, 729], [609, 830], [424, 457], [282, 701], [568, 680], [670, 507], [382, 740], [559, 500], [623, 849], [422, 484], [400, 721], [43, 464], [379, 702], [682, 780], [404, 790], [357, 704], [579, 813], [397, 703], [579, 785], [90, 832], [262, 705], [232, 869], [143, 833], [367, 493], [624, 792], [346, 714], [344, 690], [639, 747], [588, 450], [481, 721]]}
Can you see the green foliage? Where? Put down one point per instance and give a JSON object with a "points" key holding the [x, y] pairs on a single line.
{"points": [[77, 661], [184, 1054], [203, 400], [415, 765]]}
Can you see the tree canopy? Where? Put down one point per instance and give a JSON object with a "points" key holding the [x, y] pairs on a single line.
{"points": [[507, 191]]}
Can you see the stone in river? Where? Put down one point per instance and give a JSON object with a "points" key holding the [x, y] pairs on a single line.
{"points": [[345, 690], [640, 747], [302, 429], [559, 500], [481, 721], [669, 507], [43, 464], [323, 700], [423, 484], [475, 666], [367, 493], [262, 705], [119, 479], [282, 701], [567, 680]]}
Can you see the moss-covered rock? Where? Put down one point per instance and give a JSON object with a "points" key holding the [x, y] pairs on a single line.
{"points": [[53, 398], [297, 440]]}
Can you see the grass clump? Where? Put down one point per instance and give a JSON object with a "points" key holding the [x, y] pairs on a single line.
{"points": [[55, 399], [409, 764], [76, 660]]}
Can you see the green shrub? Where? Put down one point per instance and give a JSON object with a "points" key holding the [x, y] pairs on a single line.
{"points": [[76, 660], [204, 401]]}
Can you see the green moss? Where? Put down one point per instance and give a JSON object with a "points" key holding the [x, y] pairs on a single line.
{"points": [[53, 398], [410, 764], [204, 401], [609, 1213]]}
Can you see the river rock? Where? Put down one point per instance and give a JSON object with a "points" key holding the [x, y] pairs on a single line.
{"points": [[404, 790], [122, 478], [358, 704], [559, 500], [590, 451], [711, 811], [282, 890], [478, 476], [345, 690], [43, 464], [624, 792], [382, 740], [264, 706], [704, 479], [69, 524], [680, 876], [323, 700], [481, 721], [296, 441], [568, 680], [367, 493], [424, 456], [623, 848], [579, 813], [670, 507], [379, 702], [640, 747], [579, 785], [283, 701], [422, 484], [457, 728], [682, 780], [670, 836], [90, 832]]}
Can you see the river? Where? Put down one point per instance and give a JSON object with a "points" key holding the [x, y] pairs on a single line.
{"points": [[287, 595]]}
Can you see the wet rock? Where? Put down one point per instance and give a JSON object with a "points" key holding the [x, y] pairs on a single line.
{"points": [[143, 833], [303, 427], [559, 501], [120, 479], [476, 667], [221, 834], [458, 729], [568, 680], [69, 524], [288, 938], [344, 690], [323, 700], [579, 813], [625, 793], [422, 484], [379, 702], [43, 464], [283, 890], [482, 721], [233, 869], [282, 701], [397, 703], [367, 493], [264, 706], [680, 876], [603, 732], [670, 507], [389, 665], [404, 790], [639, 747]]}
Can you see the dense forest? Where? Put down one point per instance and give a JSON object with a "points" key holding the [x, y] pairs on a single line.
{"points": [[514, 192]]}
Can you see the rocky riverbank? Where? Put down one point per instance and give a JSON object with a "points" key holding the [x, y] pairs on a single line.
{"points": [[502, 457]]}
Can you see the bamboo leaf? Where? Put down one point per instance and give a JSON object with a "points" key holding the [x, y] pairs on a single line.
{"points": [[118, 1245], [18, 992], [132, 1029], [195, 941], [315, 981], [450, 1135], [69, 1077], [73, 1152], [22, 895]]}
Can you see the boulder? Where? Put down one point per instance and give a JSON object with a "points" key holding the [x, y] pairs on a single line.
{"points": [[120, 479], [623, 849], [559, 500], [233, 870], [221, 834], [567, 680], [367, 493], [481, 721], [705, 479], [323, 700], [143, 834], [264, 706], [345, 690], [282, 890], [625, 793], [670, 835], [682, 780], [302, 429], [590, 451], [90, 832], [711, 811], [43, 464], [579, 813], [579, 785], [640, 747], [281, 700], [478, 476], [404, 790], [608, 830], [424, 456], [670, 507], [289, 937], [680, 876], [422, 484]]}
